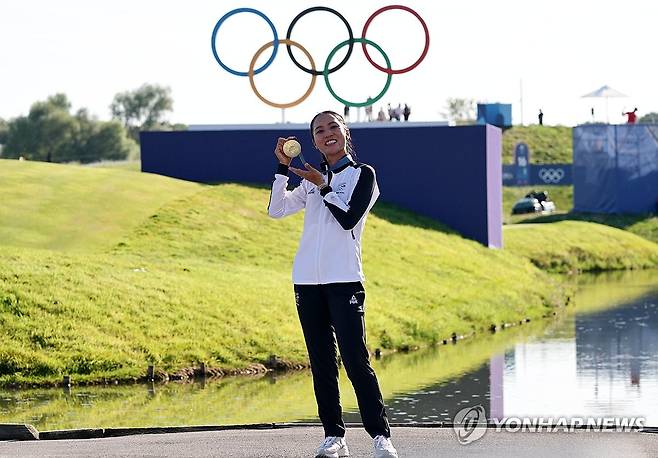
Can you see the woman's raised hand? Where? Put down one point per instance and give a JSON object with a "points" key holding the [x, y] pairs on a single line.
{"points": [[278, 151]]}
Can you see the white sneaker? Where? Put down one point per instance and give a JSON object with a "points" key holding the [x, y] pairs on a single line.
{"points": [[333, 447], [384, 448]]}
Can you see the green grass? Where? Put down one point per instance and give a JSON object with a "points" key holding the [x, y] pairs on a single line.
{"points": [[133, 165], [77, 208], [644, 225], [200, 273], [572, 246], [547, 144]]}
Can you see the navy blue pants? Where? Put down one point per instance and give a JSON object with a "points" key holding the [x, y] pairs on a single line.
{"points": [[330, 314]]}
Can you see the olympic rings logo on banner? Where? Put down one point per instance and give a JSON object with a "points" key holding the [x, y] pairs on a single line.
{"points": [[551, 175], [326, 70]]}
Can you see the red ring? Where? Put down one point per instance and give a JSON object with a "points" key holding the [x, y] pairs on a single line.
{"points": [[422, 56]]}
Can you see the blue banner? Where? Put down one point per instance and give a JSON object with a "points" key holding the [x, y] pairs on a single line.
{"points": [[522, 163], [538, 174], [615, 168]]}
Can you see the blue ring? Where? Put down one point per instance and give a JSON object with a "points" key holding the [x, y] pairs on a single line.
{"points": [[275, 48]]}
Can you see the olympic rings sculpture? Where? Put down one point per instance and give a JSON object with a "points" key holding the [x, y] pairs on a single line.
{"points": [[326, 70]]}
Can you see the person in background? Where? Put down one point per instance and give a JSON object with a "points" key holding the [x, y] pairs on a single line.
{"points": [[397, 112], [369, 110], [346, 113], [381, 116], [541, 117], [406, 112], [631, 116]]}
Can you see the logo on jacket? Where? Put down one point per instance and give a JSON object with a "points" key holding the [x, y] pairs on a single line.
{"points": [[353, 300]]}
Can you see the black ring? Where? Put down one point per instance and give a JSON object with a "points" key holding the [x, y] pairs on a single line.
{"points": [[349, 31]]}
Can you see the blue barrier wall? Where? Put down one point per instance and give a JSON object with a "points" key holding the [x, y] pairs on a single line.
{"points": [[540, 174], [451, 174], [615, 168]]}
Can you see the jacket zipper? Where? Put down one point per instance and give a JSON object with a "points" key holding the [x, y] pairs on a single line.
{"points": [[321, 225]]}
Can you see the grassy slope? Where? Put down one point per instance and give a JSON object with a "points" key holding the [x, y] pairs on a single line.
{"points": [[206, 277], [548, 144], [569, 246], [133, 165], [645, 226], [76, 208]]}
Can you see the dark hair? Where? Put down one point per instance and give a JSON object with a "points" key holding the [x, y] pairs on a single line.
{"points": [[349, 146]]}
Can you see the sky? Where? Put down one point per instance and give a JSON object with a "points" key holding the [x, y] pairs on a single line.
{"points": [[545, 53]]}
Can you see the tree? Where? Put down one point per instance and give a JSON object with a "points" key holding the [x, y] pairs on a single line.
{"points": [[143, 108], [459, 110], [649, 118], [60, 101], [4, 130], [99, 140], [109, 142], [50, 133], [44, 134]]}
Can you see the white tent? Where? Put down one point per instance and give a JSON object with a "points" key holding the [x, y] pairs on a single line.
{"points": [[605, 92]]}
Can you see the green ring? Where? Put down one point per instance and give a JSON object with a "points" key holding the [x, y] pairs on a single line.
{"points": [[325, 72]]}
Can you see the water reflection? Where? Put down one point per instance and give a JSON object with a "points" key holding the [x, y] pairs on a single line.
{"points": [[599, 361], [608, 368]]}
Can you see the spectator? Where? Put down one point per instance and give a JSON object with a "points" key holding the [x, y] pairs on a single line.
{"points": [[381, 116], [541, 117], [397, 112], [406, 112], [391, 112], [346, 113], [632, 117], [369, 110]]}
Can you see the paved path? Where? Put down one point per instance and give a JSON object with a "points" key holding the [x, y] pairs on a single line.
{"points": [[301, 442]]}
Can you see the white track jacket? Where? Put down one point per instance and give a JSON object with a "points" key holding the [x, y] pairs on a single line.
{"points": [[330, 248]]}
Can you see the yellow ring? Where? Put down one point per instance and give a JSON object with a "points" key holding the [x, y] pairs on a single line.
{"points": [[253, 84]]}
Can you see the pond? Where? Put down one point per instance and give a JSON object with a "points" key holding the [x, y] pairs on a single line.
{"points": [[599, 358]]}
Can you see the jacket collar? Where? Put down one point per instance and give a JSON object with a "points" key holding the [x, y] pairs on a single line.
{"points": [[339, 166]]}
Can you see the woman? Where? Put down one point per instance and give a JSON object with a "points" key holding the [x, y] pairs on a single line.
{"points": [[328, 277]]}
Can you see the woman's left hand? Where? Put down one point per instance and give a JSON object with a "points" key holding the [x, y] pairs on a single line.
{"points": [[310, 174]]}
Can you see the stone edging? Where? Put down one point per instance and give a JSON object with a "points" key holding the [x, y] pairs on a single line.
{"points": [[28, 432]]}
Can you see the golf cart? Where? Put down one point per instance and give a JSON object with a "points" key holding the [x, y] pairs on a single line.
{"points": [[534, 202]]}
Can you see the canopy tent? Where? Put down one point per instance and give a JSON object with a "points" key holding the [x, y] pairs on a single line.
{"points": [[605, 92]]}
